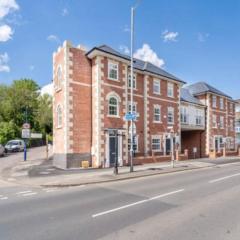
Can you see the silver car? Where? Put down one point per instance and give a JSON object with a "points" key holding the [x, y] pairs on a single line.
{"points": [[15, 145], [2, 150]]}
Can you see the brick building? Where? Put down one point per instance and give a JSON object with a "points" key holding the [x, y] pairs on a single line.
{"points": [[238, 121], [212, 129], [92, 96]]}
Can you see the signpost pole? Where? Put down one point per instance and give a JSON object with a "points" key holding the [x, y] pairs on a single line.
{"points": [[46, 146], [116, 153], [25, 150]]}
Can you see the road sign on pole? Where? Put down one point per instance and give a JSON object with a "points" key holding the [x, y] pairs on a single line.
{"points": [[130, 117], [26, 133], [26, 126]]}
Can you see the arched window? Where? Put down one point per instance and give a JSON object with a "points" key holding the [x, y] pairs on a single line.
{"points": [[59, 116], [113, 106], [59, 78]]}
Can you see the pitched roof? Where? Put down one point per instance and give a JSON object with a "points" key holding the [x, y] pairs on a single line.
{"points": [[202, 87], [137, 63], [186, 96]]}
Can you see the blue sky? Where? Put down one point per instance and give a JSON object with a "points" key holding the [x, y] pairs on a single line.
{"points": [[196, 40]]}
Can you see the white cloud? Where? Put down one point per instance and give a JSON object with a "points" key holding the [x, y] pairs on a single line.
{"points": [[65, 12], [53, 38], [47, 89], [7, 6], [6, 33], [147, 54], [169, 36], [4, 58], [124, 49], [202, 37]]}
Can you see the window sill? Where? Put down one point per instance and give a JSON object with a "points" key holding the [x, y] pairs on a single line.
{"points": [[170, 123], [113, 79], [58, 89], [157, 122], [160, 150], [113, 116], [59, 127]]}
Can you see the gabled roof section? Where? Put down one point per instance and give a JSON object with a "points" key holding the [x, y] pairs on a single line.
{"points": [[202, 87], [186, 96], [138, 64]]}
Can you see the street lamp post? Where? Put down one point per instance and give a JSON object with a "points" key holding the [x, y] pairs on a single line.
{"points": [[131, 133]]}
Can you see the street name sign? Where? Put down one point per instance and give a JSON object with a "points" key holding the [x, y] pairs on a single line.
{"points": [[129, 117], [36, 135]]}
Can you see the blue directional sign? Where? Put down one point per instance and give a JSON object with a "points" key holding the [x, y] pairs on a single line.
{"points": [[129, 116]]}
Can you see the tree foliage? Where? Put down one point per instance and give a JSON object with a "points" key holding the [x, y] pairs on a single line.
{"points": [[21, 102]]}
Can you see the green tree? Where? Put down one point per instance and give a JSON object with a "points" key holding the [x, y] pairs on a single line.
{"points": [[8, 130], [23, 99], [21, 102], [44, 116]]}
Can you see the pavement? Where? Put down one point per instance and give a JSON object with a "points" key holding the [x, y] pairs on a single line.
{"points": [[40, 172], [200, 204]]}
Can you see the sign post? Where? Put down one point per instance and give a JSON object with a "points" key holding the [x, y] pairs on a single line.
{"points": [[26, 134]]}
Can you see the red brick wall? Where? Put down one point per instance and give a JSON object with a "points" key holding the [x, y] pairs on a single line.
{"points": [[58, 99], [81, 93], [191, 139]]}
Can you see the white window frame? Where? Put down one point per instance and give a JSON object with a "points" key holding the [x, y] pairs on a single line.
{"points": [[214, 121], [221, 103], [231, 107], [157, 84], [112, 66], [111, 105], [184, 114], [221, 122], [134, 108], [59, 78], [157, 107], [199, 117], [170, 110], [134, 81], [170, 89], [134, 144], [156, 137], [59, 116], [214, 101]]}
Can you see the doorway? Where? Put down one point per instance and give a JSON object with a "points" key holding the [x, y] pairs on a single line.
{"points": [[113, 149]]}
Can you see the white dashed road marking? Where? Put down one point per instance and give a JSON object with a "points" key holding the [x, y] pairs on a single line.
{"points": [[29, 194], [224, 178], [3, 198], [136, 203]]}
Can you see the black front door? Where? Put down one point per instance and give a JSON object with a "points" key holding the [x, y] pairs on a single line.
{"points": [[216, 144], [113, 149], [168, 146]]}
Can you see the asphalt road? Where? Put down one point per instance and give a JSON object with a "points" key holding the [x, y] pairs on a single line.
{"points": [[192, 205], [11, 159]]}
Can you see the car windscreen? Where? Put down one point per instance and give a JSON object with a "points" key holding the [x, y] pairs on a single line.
{"points": [[13, 143]]}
